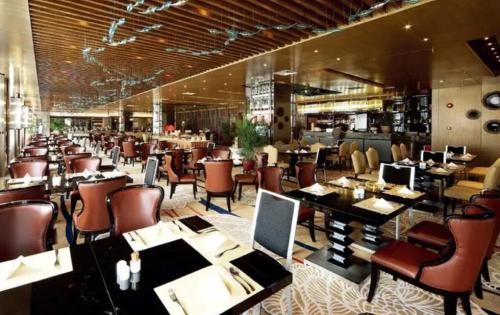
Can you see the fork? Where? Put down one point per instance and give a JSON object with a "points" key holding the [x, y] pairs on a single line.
{"points": [[219, 255], [174, 298], [56, 262]]}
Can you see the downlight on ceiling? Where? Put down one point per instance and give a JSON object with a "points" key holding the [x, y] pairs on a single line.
{"points": [[285, 72]]}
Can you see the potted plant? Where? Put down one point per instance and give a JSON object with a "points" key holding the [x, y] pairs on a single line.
{"points": [[387, 121], [248, 140]]}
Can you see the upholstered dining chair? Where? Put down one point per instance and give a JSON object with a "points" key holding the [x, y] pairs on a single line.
{"points": [[196, 155], [360, 169], [479, 172], [162, 145], [451, 273], [129, 154], [342, 156], [272, 157], [39, 144], [36, 192], [177, 177], [91, 164], [73, 149], [436, 236], [134, 207], [373, 160], [464, 190], [35, 151], [222, 154], [146, 150], [177, 164], [26, 227], [396, 153], [404, 151], [34, 168], [219, 181], [261, 159], [70, 157], [306, 176], [151, 169], [270, 177], [93, 218]]}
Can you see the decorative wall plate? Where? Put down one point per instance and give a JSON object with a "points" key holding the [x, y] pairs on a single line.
{"points": [[287, 119], [280, 111], [280, 125], [449, 105], [492, 126], [492, 100]]}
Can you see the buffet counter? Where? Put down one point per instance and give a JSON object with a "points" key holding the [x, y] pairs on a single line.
{"points": [[184, 143]]}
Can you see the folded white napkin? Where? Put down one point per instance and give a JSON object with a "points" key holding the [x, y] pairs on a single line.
{"points": [[405, 191], [468, 155], [27, 179], [381, 182], [441, 170], [296, 151], [288, 151], [382, 204], [430, 162], [56, 180], [343, 181], [150, 236], [303, 151], [317, 187], [452, 165], [407, 160], [86, 173], [11, 268]]}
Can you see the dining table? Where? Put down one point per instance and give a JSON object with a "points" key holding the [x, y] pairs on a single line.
{"points": [[179, 274], [62, 186], [342, 206]]}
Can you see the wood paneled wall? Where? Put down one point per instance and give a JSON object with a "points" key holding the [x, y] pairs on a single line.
{"points": [[451, 126]]}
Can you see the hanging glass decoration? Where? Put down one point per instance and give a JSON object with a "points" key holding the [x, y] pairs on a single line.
{"points": [[147, 29], [132, 6], [165, 6]]}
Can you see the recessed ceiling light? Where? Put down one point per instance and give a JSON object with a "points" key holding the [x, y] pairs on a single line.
{"points": [[188, 93], [230, 74], [338, 58], [204, 89], [407, 26], [441, 81], [486, 38], [490, 43], [425, 39], [68, 61], [265, 65], [316, 51], [493, 48], [225, 83]]}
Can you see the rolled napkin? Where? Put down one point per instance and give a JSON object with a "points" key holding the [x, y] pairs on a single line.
{"points": [[405, 191], [430, 162], [27, 179], [382, 204]]}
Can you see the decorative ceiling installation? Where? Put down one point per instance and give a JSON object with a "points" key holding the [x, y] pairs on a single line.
{"points": [[133, 57]]}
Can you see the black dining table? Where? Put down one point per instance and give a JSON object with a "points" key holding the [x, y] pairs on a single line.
{"points": [[91, 288], [340, 211]]}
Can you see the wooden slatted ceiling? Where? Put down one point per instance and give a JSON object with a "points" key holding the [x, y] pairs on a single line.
{"points": [[62, 28]]}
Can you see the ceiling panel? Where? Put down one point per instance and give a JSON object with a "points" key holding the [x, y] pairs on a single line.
{"points": [[63, 29]]}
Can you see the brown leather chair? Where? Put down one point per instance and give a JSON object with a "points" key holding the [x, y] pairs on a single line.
{"points": [[129, 153], [134, 207], [70, 157], [35, 151], [453, 272], [436, 236], [270, 177], [93, 218], [219, 181], [306, 176], [178, 178], [162, 145], [32, 158], [241, 180], [79, 165], [73, 149], [36, 192], [221, 154], [64, 142], [39, 144], [33, 168], [196, 155], [146, 150], [177, 164], [26, 227]]}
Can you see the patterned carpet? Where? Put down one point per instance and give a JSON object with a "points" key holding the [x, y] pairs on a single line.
{"points": [[315, 291]]}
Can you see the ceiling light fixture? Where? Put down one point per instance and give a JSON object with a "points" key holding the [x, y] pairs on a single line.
{"points": [[316, 51], [338, 58], [425, 39], [441, 81], [490, 43], [486, 38], [265, 65], [188, 93], [407, 26]]}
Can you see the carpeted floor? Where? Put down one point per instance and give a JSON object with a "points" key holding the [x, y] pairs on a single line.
{"points": [[314, 291]]}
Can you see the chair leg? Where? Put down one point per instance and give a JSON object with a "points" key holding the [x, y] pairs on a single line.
{"points": [[208, 201], [228, 199], [453, 205], [484, 270], [172, 190], [450, 305], [289, 294], [73, 205], [311, 229], [375, 275], [75, 235], [466, 304], [239, 192], [194, 190], [478, 287]]}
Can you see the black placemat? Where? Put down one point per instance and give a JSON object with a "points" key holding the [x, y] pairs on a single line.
{"points": [[195, 223]]}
